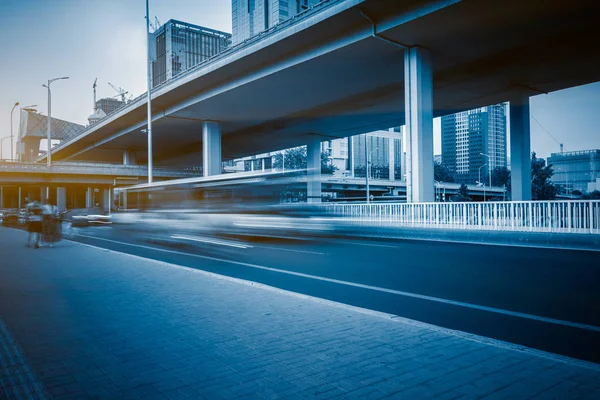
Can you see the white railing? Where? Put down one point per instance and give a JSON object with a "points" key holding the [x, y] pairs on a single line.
{"points": [[573, 216]]}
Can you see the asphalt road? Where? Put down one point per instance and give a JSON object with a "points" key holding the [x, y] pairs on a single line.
{"points": [[541, 298]]}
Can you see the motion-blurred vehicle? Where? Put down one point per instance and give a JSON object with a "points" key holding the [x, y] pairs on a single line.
{"points": [[13, 216]]}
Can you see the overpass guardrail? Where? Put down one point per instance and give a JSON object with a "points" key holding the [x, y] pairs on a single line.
{"points": [[572, 216]]}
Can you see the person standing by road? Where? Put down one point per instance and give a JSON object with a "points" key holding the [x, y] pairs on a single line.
{"points": [[34, 222]]}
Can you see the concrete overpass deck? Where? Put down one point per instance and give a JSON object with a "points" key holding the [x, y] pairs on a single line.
{"points": [[338, 71]]}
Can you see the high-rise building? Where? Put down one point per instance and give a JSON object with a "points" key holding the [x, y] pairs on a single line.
{"points": [[251, 17], [385, 154], [575, 170], [474, 142], [180, 46]]}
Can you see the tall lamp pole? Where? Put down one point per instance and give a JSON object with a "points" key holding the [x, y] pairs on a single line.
{"points": [[149, 83], [11, 130], [489, 168], [49, 123], [368, 154], [481, 182]]}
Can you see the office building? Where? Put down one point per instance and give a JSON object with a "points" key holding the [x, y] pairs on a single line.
{"points": [[385, 153], [250, 17], [576, 170], [181, 46], [474, 142]]}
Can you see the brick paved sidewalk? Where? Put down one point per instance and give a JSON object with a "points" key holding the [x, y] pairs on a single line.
{"points": [[98, 324]]}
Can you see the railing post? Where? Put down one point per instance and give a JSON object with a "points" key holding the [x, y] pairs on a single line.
{"points": [[591, 217], [569, 216], [479, 215]]}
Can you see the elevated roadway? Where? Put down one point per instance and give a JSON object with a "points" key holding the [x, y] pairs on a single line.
{"points": [[338, 70]]}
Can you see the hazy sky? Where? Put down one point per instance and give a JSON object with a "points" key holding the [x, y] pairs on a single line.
{"points": [[88, 39]]}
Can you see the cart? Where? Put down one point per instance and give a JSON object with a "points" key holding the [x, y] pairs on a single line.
{"points": [[52, 229]]}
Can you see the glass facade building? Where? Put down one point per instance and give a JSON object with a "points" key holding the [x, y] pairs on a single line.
{"points": [[250, 17], [574, 170], [466, 135], [181, 46]]}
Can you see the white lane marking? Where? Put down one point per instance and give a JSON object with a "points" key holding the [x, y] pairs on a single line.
{"points": [[373, 245], [378, 314], [293, 250], [212, 241], [374, 288]]}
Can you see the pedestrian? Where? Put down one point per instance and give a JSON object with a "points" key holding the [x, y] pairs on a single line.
{"points": [[50, 224], [34, 222]]}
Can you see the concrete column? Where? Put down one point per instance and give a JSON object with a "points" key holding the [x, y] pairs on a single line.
{"points": [[351, 155], [418, 90], [89, 198], [392, 159], [106, 200], [61, 198], [124, 200], [19, 200], [1, 196], [129, 157], [520, 149], [313, 166], [211, 148]]}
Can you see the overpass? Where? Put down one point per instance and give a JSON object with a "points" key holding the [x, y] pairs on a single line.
{"points": [[78, 185], [347, 67]]}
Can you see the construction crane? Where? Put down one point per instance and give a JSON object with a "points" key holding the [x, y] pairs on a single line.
{"points": [[94, 87], [155, 25], [122, 92]]}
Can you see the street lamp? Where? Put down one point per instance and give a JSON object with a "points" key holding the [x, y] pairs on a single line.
{"points": [[11, 129], [368, 155], [489, 169], [481, 182], [48, 154]]}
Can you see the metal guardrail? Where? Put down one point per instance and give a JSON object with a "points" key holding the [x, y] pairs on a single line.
{"points": [[237, 47], [573, 216]]}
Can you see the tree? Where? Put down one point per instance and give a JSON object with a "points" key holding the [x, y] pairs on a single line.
{"points": [[542, 187], [463, 194], [500, 176], [442, 173], [327, 167], [595, 195], [296, 159]]}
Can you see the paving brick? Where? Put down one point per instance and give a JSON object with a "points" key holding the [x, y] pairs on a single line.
{"points": [[123, 327]]}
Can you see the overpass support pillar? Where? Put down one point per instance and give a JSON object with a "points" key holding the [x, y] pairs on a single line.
{"points": [[520, 149], [1, 196], [129, 157], [313, 167], [61, 198], [19, 201], [106, 200], [89, 198], [211, 148], [418, 91]]}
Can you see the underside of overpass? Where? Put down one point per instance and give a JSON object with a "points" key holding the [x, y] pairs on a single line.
{"points": [[334, 79]]}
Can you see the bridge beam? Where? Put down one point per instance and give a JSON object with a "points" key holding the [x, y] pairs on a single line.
{"points": [[211, 148], [418, 90], [313, 166], [520, 149]]}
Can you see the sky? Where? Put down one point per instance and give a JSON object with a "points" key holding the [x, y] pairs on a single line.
{"points": [[89, 39]]}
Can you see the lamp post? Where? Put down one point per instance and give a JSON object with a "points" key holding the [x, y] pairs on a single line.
{"points": [[11, 129], [489, 168], [481, 182], [368, 154], [49, 128], [149, 92]]}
